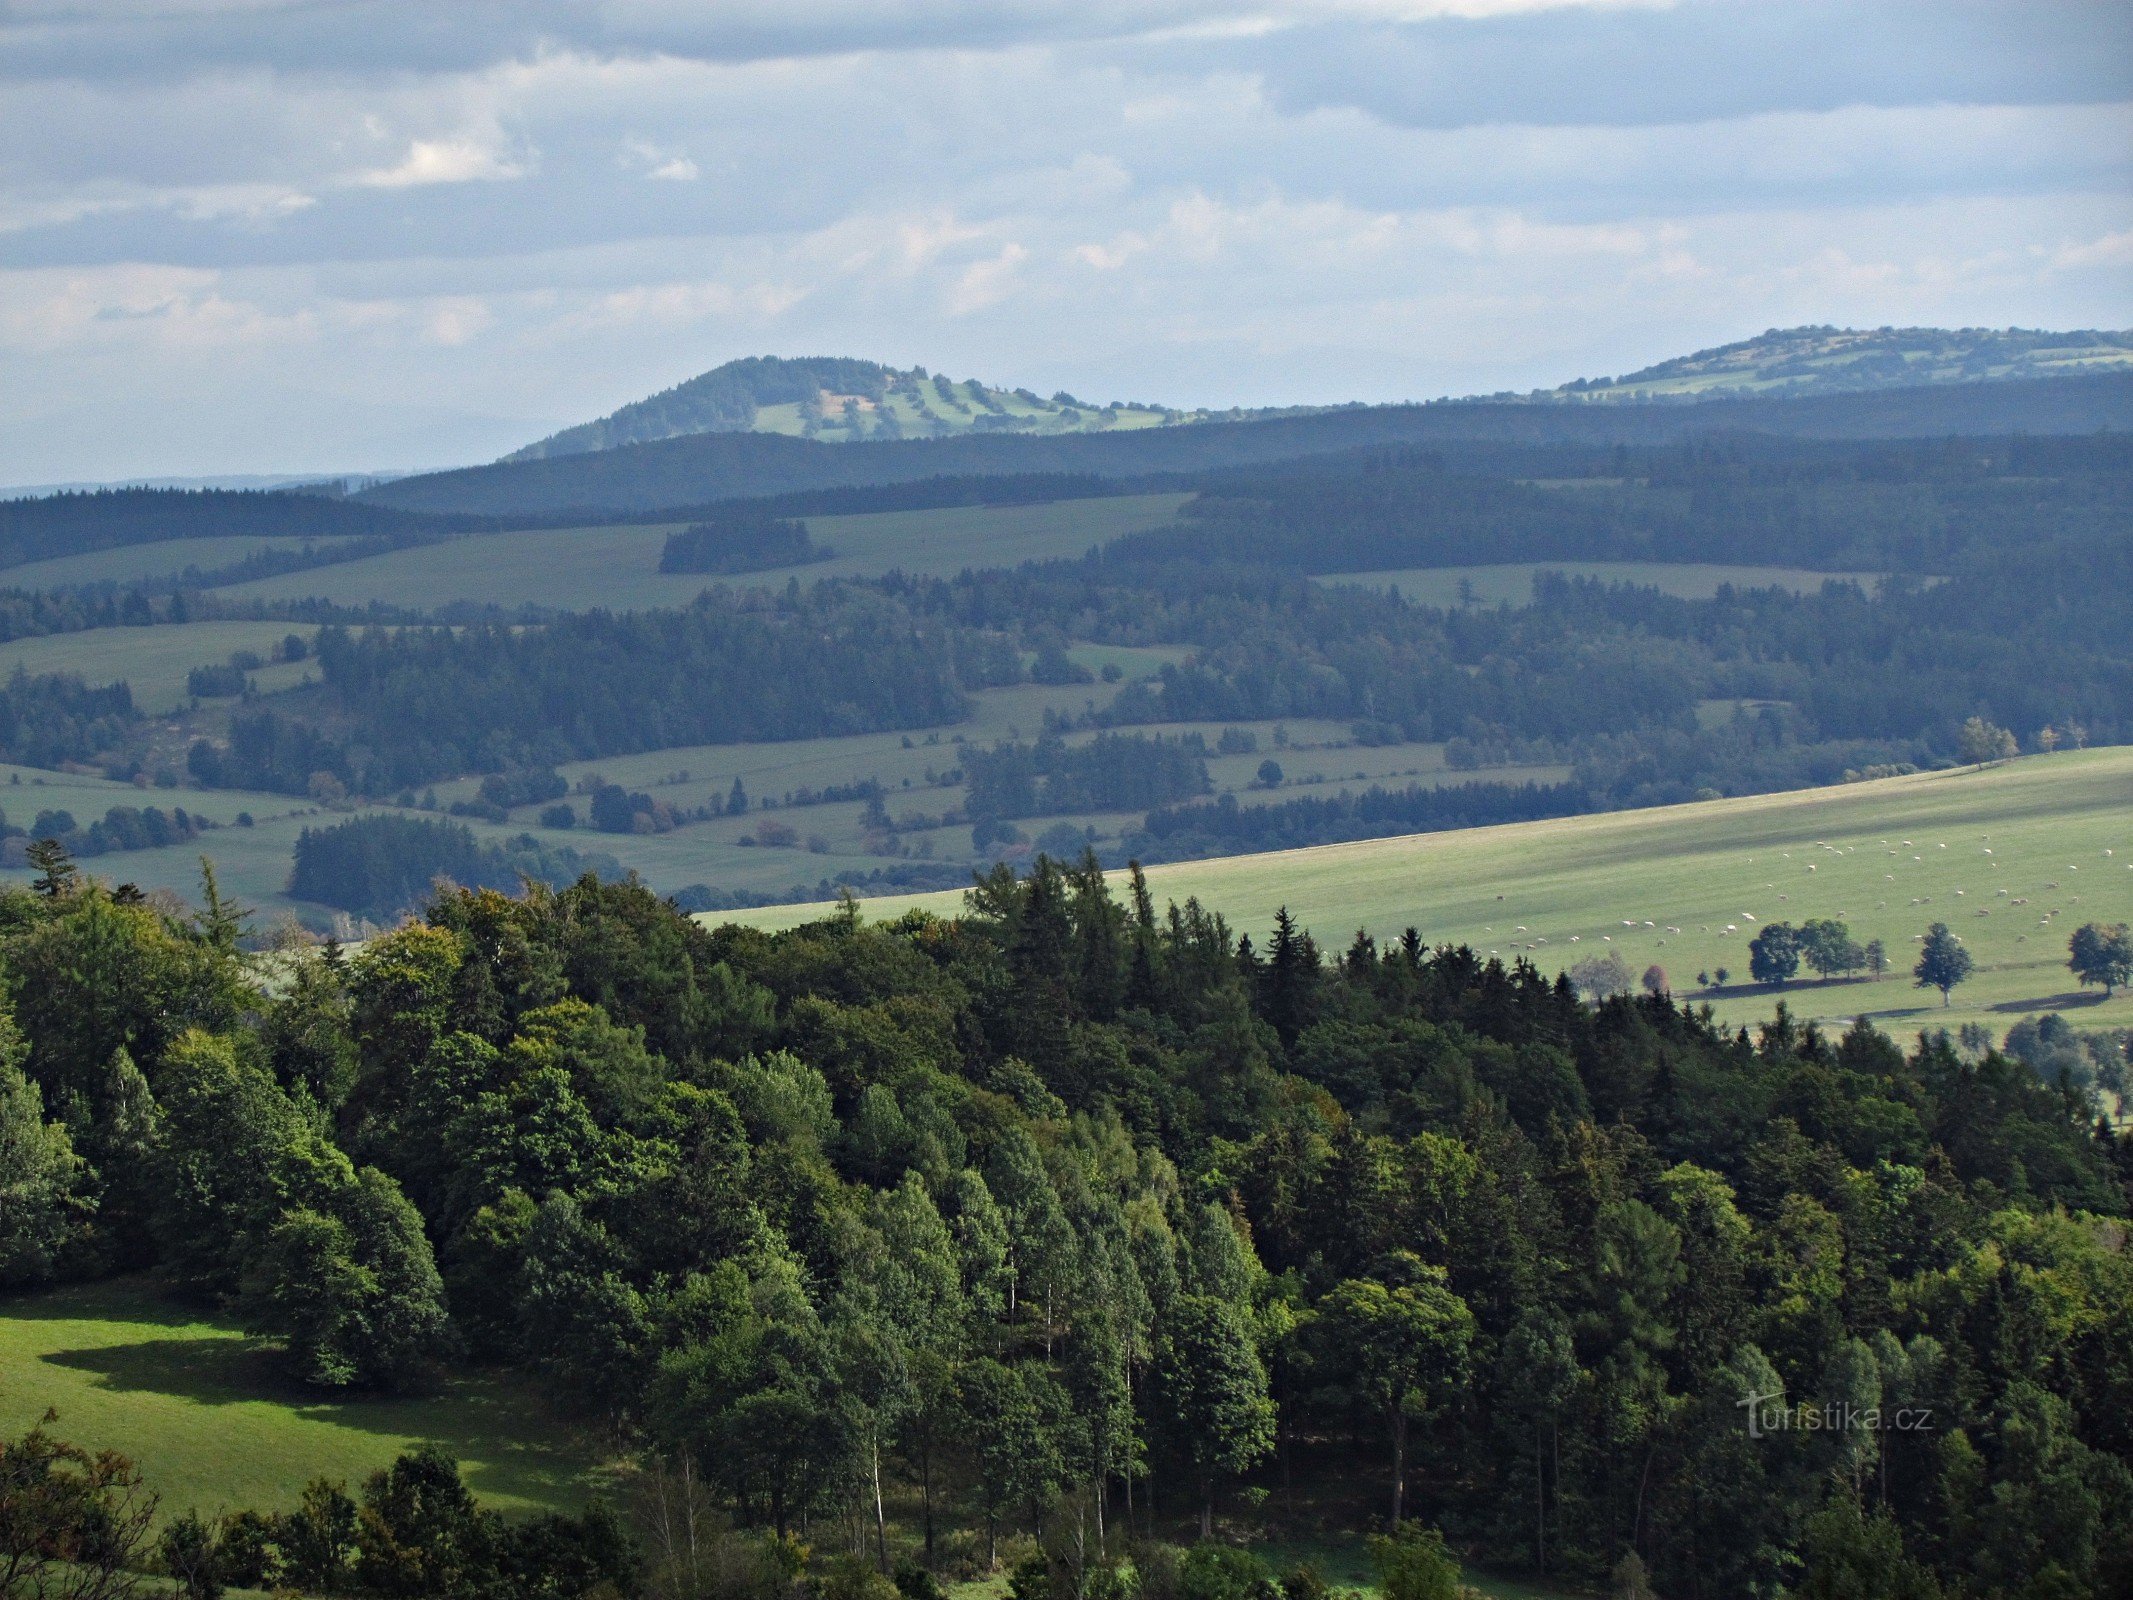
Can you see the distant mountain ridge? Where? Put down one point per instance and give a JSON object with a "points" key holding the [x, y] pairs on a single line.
{"points": [[1826, 360], [845, 400], [694, 470], [841, 400]]}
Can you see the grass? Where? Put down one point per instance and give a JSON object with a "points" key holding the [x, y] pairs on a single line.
{"points": [[1558, 891], [1343, 1560], [164, 558], [1512, 583], [154, 661], [618, 567], [212, 1424]]}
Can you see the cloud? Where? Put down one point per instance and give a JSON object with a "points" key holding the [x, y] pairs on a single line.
{"points": [[444, 161], [546, 209]]}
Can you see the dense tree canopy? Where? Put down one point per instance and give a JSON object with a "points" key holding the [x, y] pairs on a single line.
{"points": [[1074, 1197]]}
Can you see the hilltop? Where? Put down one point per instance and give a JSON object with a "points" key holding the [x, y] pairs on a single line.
{"points": [[1824, 360], [839, 400]]}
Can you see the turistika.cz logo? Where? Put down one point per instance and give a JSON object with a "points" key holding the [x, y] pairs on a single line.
{"points": [[1769, 1414]]}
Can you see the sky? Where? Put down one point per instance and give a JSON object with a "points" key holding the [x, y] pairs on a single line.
{"points": [[260, 236]]}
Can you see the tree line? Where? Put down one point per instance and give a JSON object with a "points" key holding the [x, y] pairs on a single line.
{"points": [[381, 865]]}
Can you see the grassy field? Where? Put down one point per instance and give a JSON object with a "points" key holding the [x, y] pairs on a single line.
{"points": [[213, 1425], [134, 562], [1512, 583], [2013, 858], [618, 567], [154, 661], [1343, 1560]]}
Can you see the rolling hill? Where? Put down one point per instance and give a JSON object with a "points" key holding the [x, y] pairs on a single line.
{"points": [[840, 401], [1823, 360], [2013, 857], [699, 468]]}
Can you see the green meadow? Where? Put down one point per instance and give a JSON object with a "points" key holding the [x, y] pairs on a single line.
{"points": [[618, 567], [213, 1425], [162, 559], [154, 661], [2013, 858]]}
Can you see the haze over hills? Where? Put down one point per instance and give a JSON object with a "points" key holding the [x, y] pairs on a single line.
{"points": [[1825, 360], [697, 469]]}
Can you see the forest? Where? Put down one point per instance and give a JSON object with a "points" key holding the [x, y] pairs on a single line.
{"points": [[1073, 1225]]}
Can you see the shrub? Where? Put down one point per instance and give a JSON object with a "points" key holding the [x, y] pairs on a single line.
{"points": [[1412, 1564], [223, 681], [1212, 1571]]}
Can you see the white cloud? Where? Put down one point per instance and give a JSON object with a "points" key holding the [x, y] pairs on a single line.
{"points": [[444, 161], [546, 211]]}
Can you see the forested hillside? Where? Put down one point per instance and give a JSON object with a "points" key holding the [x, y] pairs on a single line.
{"points": [[1078, 1215]]}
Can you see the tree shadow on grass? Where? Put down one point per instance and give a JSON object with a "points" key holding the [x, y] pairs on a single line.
{"points": [[210, 1372], [2073, 1000], [511, 1444]]}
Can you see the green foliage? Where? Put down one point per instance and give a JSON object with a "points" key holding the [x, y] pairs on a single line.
{"points": [[991, 1214], [1215, 1389], [2102, 954], [1413, 1564], [741, 542], [1113, 772], [382, 865], [42, 1181], [1980, 741], [1397, 1346], [73, 1525], [1942, 961], [355, 1293], [1213, 1571], [1774, 953]]}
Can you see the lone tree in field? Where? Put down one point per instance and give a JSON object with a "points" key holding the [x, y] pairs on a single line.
{"points": [[1942, 961], [1597, 977], [1774, 954], [2102, 953], [1982, 741]]}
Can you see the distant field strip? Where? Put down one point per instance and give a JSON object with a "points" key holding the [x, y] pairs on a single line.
{"points": [[618, 567], [1511, 583], [154, 661], [134, 562], [1685, 887]]}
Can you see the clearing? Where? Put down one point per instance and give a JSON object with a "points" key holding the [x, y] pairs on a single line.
{"points": [[206, 1414]]}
